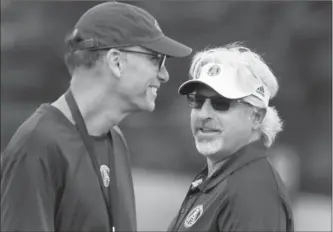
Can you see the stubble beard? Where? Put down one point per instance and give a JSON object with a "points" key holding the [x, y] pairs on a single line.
{"points": [[209, 147]]}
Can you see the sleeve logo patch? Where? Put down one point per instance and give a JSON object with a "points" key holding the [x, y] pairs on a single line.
{"points": [[193, 216]]}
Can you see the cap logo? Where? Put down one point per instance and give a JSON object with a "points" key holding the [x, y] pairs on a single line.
{"points": [[193, 216], [157, 26], [105, 173], [261, 91], [214, 70]]}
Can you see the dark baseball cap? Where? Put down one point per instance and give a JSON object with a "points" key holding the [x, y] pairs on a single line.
{"points": [[114, 24]]}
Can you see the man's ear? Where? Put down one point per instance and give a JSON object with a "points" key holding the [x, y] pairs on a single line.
{"points": [[258, 116], [114, 61]]}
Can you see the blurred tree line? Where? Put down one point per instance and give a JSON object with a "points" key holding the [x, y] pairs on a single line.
{"points": [[294, 37]]}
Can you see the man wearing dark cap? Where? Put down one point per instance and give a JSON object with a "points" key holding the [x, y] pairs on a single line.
{"points": [[67, 166], [233, 126]]}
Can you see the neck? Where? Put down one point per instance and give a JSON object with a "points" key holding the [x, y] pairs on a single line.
{"points": [[94, 106], [95, 110], [214, 165]]}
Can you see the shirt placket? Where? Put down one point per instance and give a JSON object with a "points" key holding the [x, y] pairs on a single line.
{"points": [[190, 200]]}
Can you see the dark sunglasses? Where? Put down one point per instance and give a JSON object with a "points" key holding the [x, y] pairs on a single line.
{"points": [[218, 103], [159, 58]]}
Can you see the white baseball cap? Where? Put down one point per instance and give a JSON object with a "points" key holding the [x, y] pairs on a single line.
{"points": [[229, 81]]}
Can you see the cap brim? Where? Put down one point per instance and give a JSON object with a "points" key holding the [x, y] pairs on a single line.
{"points": [[227, 82], [225, 91], [169, 47], [189, 86]]}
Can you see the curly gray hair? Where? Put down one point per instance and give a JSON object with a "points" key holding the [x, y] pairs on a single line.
{"points": [[241, 57]]}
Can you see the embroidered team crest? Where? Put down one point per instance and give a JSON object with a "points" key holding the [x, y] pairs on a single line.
{"points": [[214, 70], [105, 173], [193, 216]]}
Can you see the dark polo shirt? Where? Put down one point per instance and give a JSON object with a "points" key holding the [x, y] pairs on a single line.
{"points": [[245, 194], [48, 182]]}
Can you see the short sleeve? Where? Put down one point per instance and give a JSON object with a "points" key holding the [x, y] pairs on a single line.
{"points": [[28, 188]]}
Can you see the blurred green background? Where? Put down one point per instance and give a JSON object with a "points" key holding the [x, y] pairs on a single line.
{"points": [[294, 37]]}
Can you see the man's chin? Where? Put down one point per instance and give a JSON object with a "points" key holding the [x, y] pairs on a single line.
{"points": [[147, 106], [209, 148], [150, 106]]}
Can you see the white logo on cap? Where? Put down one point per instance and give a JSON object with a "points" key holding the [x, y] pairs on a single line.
{"points": [[214, 70], [105, 173], [193, 216], [157, 26]]}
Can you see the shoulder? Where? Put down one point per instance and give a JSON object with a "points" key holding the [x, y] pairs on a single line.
{"points": [[35, 137], [254, 197], [34, 148], [256, 181]]}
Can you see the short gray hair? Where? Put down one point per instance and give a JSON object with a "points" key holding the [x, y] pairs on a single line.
{"points": [[80, 58]]}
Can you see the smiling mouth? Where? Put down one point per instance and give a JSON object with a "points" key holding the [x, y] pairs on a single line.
{"points": [[153, 89], [208, 131]]}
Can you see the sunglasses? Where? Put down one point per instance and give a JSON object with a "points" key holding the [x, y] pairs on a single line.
{"points": [[218, 103], [159, 58]]}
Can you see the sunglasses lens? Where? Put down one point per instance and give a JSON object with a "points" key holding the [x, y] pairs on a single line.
{"points": [[220, 104]]}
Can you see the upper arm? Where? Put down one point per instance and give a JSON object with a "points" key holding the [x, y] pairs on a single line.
{"points": [[28, 189]]}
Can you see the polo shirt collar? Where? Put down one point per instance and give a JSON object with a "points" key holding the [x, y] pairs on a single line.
{"points": [[245, 155]]}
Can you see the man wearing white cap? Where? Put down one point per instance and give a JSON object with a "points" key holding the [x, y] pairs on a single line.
{"points": [[233, 125]]}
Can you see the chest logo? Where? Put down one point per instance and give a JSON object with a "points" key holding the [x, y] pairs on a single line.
{"points": [[193, 216], [105, 173]]}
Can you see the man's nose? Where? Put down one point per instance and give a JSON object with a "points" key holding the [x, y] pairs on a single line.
{"points": [[206, 110], [163, 75]]}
